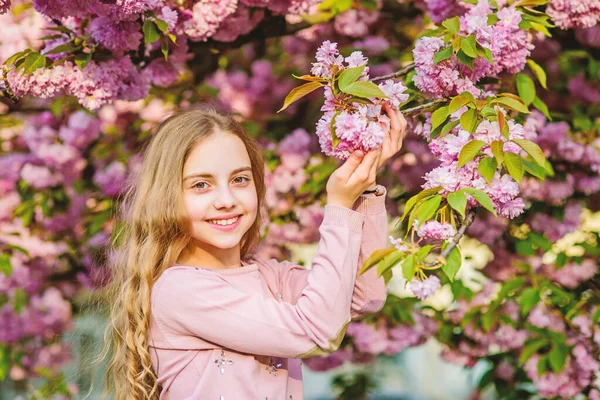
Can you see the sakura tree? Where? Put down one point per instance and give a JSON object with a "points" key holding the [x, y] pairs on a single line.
{"points": [[503, 155]]}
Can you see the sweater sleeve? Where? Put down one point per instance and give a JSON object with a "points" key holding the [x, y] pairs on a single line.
{"points": [[200, 303], [370, 292]]}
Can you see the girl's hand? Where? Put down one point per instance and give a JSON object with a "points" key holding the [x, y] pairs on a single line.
{"points": [[352, 178], [392, 141]]}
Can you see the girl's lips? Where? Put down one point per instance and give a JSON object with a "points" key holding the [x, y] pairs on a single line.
{"points": [[227, 228]]}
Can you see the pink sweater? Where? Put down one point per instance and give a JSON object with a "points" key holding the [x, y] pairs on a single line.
{"points": [[239, 334]]}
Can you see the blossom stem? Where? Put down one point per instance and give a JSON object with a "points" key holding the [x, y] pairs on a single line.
{"points": [[422, 106], [469, 218], [396, 74]]}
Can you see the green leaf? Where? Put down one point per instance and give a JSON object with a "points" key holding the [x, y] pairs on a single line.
{"points": [[458, 102], [529, 298], [538, 71], [32, 62], [514, 164], [542, 365], [408, 267], [162, 25], [487, 168], [512, 104], [442, 55], [448, 127], [299, 92], [468, 120], [469, 151], [365, 89], [487, 112], [465, 59], [335, 140], [452, 24], [438, 117], [349, 76], [458, 201], [469, 46], [82, 60], [452, 264], [423, 252], [485, 53], [481, 197], [389, 262], [20, 299], [375, 257], [533, 150], [5, 362], [557, 358], [429, 208], [525, 247], [16, 57], [164, 48], [63, 48], [151, 33], [497, 147], [5, 265], [421, 195], [530, 348], [542, 107], [488, 319], [526, 88]]}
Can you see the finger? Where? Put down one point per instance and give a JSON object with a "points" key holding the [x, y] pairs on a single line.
{"points": [[348, 168], [377, 162], [361, 173]]}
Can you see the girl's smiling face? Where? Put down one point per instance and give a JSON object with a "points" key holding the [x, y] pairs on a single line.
{"points": [[218, 185]]}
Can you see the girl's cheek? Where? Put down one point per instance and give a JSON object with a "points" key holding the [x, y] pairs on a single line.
{"points": [[195, 207]]}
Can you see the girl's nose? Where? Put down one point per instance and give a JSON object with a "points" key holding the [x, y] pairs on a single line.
{"points": [[225, 198]]}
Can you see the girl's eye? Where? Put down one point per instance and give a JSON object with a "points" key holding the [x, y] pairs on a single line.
{"points": [[241, 177], [199, 183]]}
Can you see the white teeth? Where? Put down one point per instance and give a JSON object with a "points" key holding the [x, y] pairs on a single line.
{"points": [[223, 222]]}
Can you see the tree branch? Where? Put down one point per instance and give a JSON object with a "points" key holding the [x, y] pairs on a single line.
{"points": [[422, 106], [396, 74], [469, 218]]}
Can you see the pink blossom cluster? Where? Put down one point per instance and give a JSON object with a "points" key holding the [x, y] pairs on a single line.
{"points": [[369, 340], [574, 13], [356, 22], [589, 37], [426, 287], [577, 374], [283, 185], [439, 10], [361, 126], [508, 44], [555, 229], [119, 9], [95, 85], [503, 190], [435, 230], [257, 94], [573, 274], [20, 32], [475, 342], [4, 6]]}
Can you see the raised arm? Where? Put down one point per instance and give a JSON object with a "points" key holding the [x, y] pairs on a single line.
{"points": [[370, 292], [200, 303]]}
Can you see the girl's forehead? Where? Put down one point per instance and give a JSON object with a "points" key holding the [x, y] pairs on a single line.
{"points": [[219, 152]]}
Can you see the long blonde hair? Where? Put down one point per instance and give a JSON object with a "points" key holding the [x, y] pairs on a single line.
{"points": [[154, 231]]}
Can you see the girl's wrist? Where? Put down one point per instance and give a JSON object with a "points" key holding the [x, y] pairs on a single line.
{"points": [[372, 188]]}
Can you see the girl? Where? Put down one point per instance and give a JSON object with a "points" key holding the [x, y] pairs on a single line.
{"points": [[195, 315]]}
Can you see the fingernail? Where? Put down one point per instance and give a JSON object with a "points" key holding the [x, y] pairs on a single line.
{"points": [[359, 154]]}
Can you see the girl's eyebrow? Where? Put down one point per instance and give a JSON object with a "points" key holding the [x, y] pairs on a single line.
{"points": [[203, 175]]}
